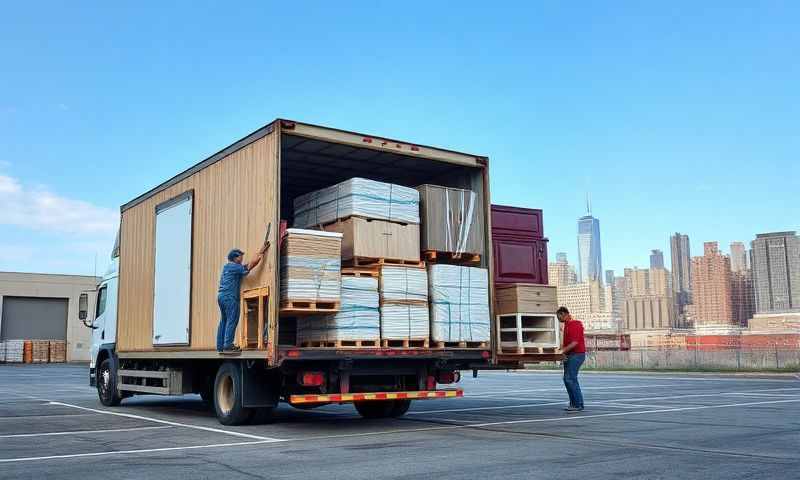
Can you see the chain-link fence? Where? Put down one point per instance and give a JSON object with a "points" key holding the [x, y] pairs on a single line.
{"points": [[753, 360]]}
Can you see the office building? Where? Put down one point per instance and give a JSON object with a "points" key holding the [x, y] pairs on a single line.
{"points": [[738, 257], [659, 281], [681, 271], [561, 273], [656, 259], [590, 265], [637, 282], [775, 262], [742, 297], [711, 287], [609, 277], [647, 312]]}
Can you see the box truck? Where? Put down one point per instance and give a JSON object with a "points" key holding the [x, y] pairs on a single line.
{"points": [[156, 313]]}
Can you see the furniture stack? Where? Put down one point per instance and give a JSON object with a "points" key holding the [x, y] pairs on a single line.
{"points": [[525, 305], [58, 351], [357, 323], [385, 229], [310, 271], [459, 305]]}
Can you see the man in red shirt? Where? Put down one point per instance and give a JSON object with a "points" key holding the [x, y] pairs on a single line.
{"points": [[574, 350]]}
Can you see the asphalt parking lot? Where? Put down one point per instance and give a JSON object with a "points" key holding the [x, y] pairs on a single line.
{"points": [[509, 425]]}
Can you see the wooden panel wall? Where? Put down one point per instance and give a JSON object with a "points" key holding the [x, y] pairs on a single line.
{"points": [[234, 199]]}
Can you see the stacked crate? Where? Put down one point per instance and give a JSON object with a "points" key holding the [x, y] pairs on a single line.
{"points": [[526, 318], [405, 320], [15, 351], [58, 351], [459, 306], [310, 271], [40, 351]]}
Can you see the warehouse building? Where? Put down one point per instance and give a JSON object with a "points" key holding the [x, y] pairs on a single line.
{"points": [[45, 307]]}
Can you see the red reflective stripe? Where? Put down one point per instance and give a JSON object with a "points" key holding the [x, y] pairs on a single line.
{"points": [[441, 394], [402, 395], [336, 398], [310, 398], [380, 396], [358, 396], [459, 393]]}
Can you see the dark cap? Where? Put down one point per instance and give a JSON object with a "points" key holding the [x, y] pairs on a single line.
{"points": [[234, 253]]}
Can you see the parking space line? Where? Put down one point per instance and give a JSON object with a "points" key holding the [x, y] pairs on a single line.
{"points": [[174, 424], [83, 432], [130, 452], [559, 389], [751, 394]]}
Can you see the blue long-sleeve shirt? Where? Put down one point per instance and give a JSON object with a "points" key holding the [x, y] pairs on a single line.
{"points": [[231, 279]]}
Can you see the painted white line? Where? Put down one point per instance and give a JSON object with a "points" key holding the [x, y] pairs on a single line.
{"points": [[129, 452], [565, 417], [477, 409], [174, 424], [62, 415], [561, 389], [747, 394], [82, 432]]}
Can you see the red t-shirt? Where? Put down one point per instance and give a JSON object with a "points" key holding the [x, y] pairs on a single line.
{"points": [[573, 332]]}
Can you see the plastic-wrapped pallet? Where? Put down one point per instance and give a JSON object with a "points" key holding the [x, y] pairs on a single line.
{"points": [[2, 352], [14, 350], [459, 303], [311, 266], [357, 197], [58, 351], [404, 303], [358, 317]]}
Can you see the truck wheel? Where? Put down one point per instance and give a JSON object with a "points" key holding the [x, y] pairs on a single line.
{"points": [[107, 384], [400, 408], [228, 396], [379, 409]]}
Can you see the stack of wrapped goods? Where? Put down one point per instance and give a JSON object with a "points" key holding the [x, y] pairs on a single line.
{"points": [[459, 305], [357, 197], [404, 306], [14, 350], [357, 323], [27, 351], [2, 352], [310, 271], [40, 351], [58, 351]]}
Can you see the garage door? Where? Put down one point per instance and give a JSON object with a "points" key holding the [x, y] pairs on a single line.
{"points": [[34, 318]]}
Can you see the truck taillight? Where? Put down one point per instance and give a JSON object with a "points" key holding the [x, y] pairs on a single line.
{"points": [[312, 379], [430, 383], [448, 377]]}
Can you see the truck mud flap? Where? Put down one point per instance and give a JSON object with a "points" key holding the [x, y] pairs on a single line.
{"points": [[259, 387]]}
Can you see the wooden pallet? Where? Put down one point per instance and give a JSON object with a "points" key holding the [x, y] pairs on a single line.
{"points": [[308, 307], [405, 343], [529, 350], [433, 256], [372, 261], [476, 345], [343, 344], [371, 272]]}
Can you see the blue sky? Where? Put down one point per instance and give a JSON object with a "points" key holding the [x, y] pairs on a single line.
{"points": [[679, 117]]}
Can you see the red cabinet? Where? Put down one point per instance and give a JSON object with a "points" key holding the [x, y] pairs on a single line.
{"points": [[520, 249]]}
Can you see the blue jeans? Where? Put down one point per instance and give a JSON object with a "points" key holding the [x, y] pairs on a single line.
{"points": [[229, 319], [572, 364]]}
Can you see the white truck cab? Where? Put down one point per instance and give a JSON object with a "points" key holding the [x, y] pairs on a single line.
{"points": [[104, 325]]}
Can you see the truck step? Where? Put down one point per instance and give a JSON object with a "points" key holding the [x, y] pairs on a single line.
{"points": [[161, 382]]}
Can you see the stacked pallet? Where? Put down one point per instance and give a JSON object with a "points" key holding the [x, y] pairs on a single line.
{"points": [[368, 240], [58, 351], [357, 197], [526, 317], [404, 306], [15, 351], [459, 305], [2, 352], [356, 324], [310, 271], [40, 351], [27, 351]]}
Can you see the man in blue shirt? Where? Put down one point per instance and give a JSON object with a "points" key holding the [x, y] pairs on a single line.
{"points": [[228, 296]]}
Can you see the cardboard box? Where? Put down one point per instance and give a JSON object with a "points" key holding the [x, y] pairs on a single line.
{"points": [[367, 238], [452, 220], [525, 298]]}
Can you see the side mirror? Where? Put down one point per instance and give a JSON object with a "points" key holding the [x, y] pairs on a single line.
{"points": [[83, 310]]}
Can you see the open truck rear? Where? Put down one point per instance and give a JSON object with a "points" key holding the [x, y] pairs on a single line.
{"points": [[174, 240]]}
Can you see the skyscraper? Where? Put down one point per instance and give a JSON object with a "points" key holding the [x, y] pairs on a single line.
{"points": [[610, 277], [742, 297], [561, 257], [776, 272], [681, 271], [656, 259], [590, 265], [711, 287], [560, 273], [738, 257]]}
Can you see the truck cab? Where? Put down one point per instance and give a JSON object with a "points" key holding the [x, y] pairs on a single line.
{"points": [[104, 325]]}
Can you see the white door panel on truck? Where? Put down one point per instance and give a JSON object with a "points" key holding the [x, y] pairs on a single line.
{"points": [[105, 314]]}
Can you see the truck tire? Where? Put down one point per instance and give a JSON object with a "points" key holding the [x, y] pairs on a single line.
{"points": [[375, 409], [228, 396], [107, 383], [400, 408]]}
